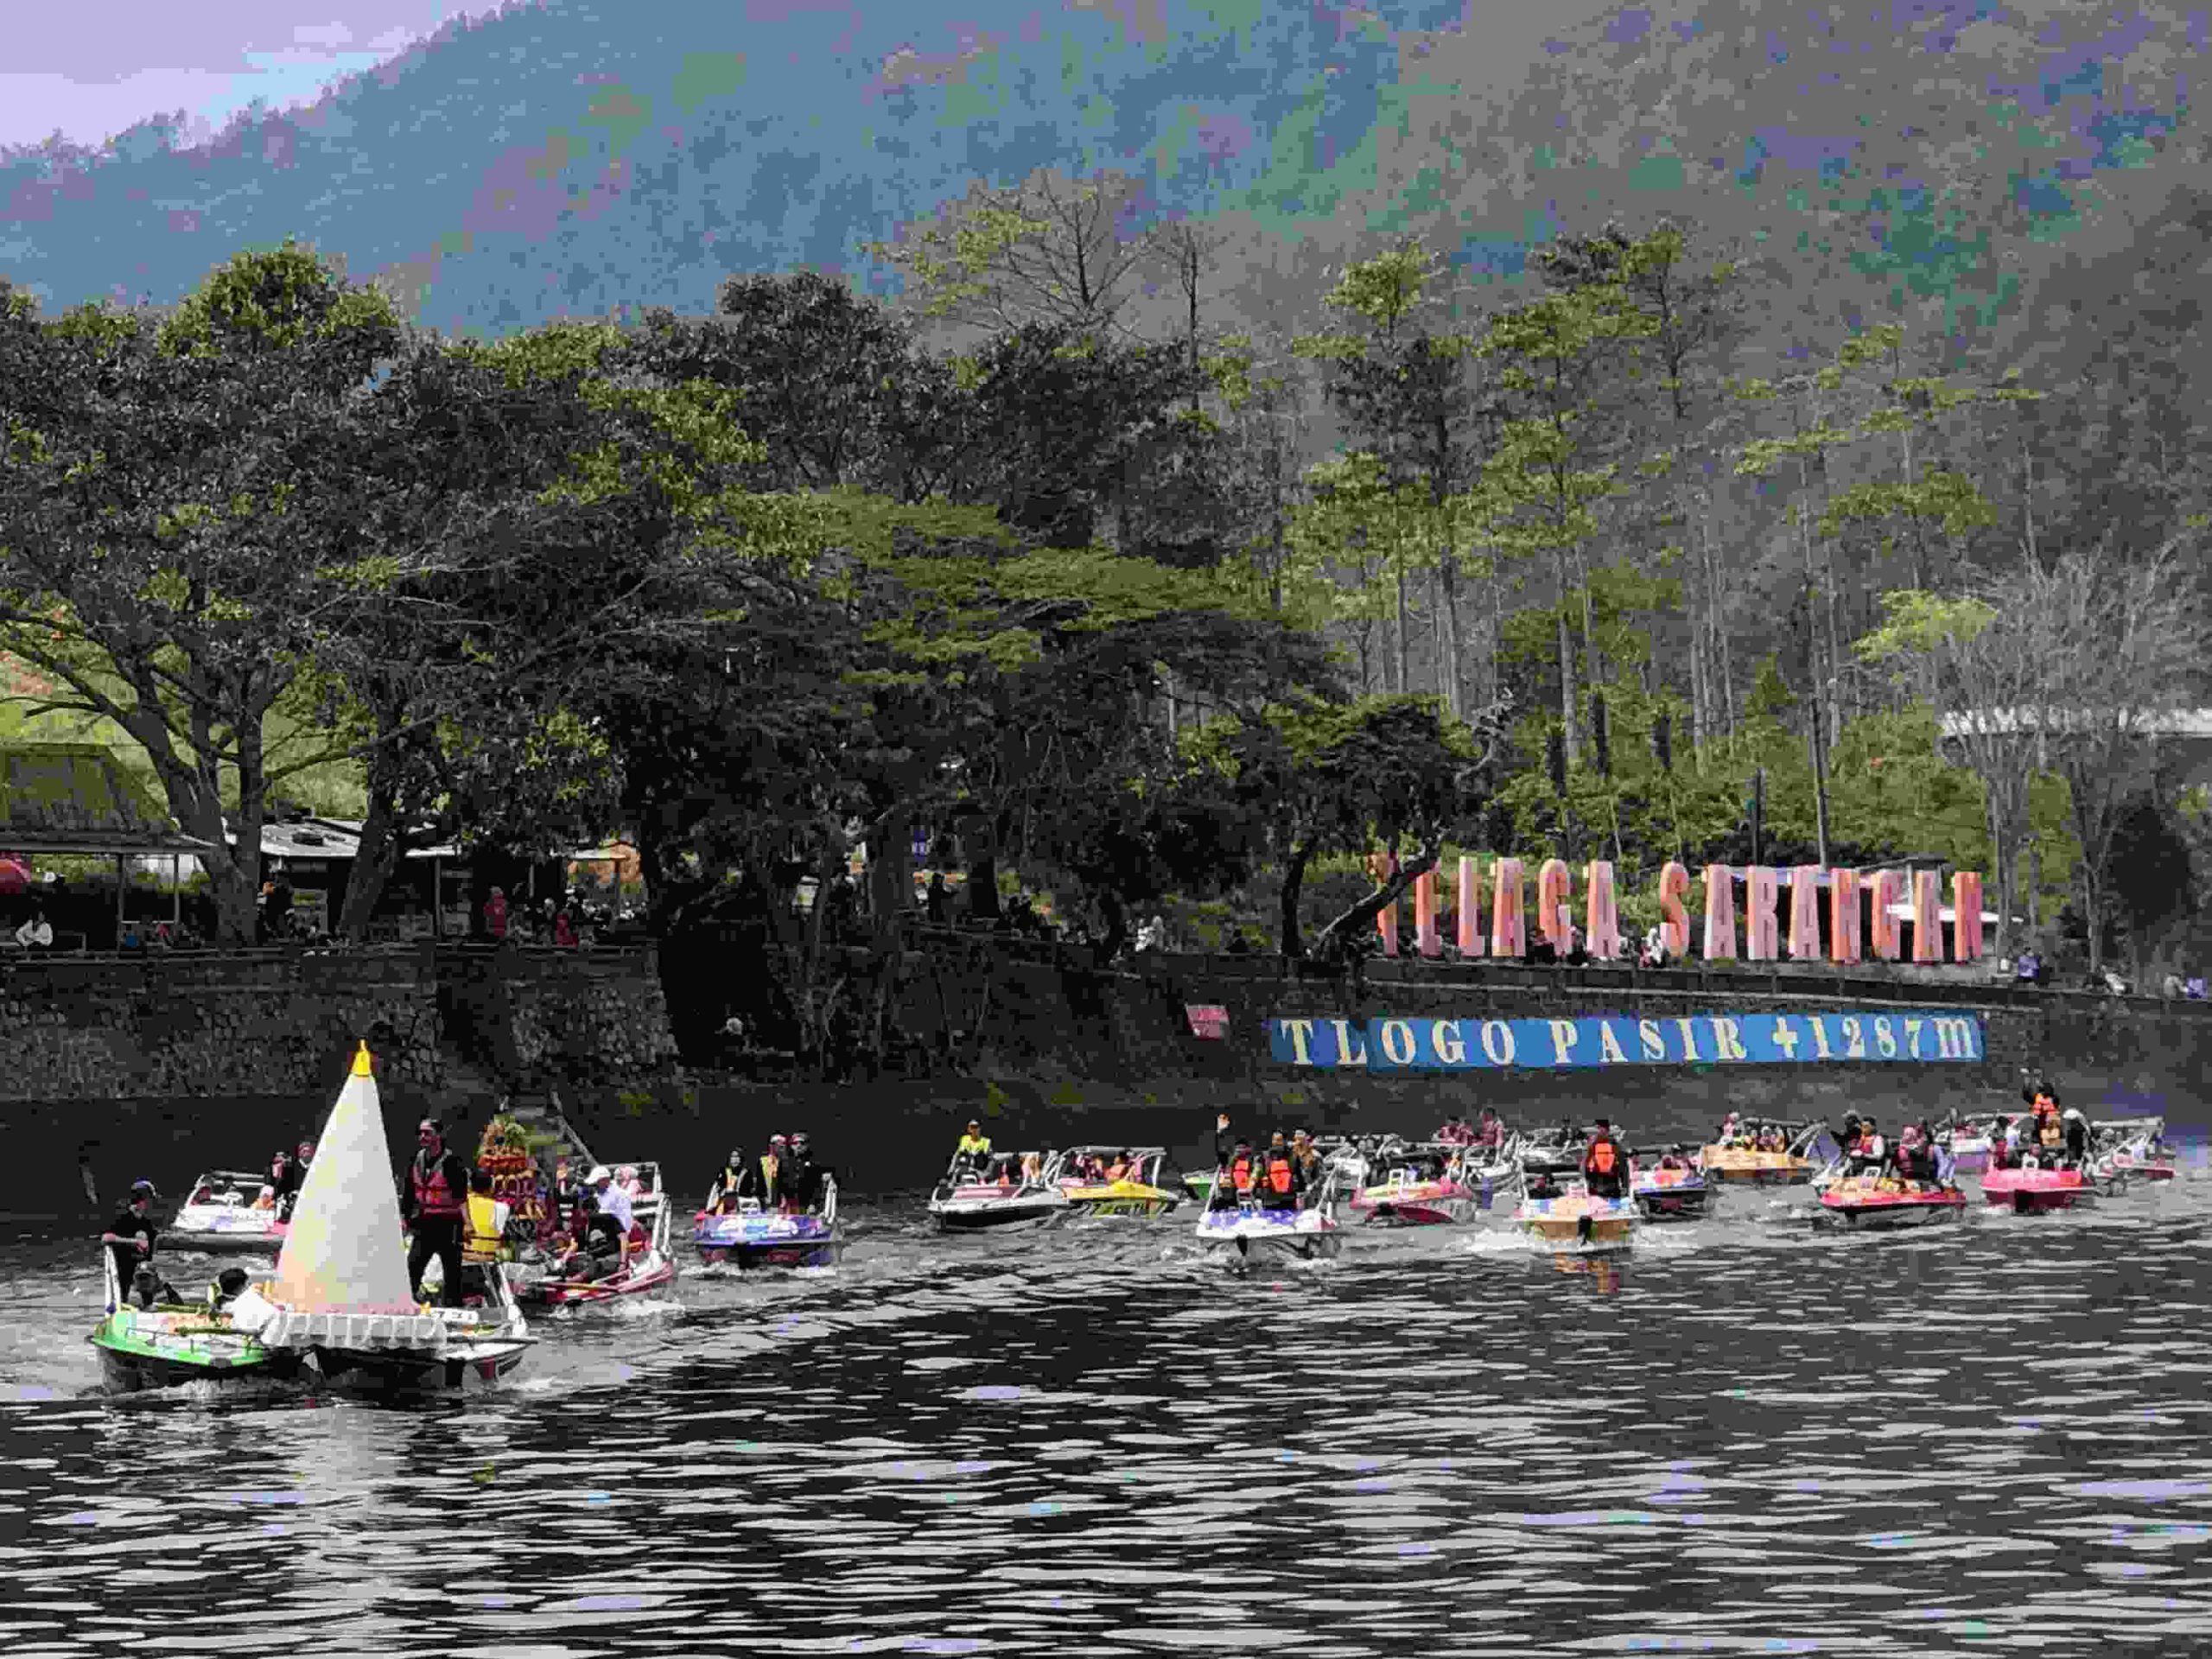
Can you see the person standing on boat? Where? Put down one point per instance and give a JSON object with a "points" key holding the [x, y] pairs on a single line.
{"points": [[722, 1198], [1307, 1157], [2076, 1130], [431, 1204], [1224, 1143], [485, 1238], [799, 1177], [130, 1237], [1604, 1165]]}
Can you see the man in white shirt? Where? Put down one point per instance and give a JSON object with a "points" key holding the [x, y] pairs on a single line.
{"points": [[37, 933], [613, 1200]]}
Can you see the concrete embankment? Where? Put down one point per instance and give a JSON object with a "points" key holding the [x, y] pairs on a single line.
{"points": [[162, 1069]]}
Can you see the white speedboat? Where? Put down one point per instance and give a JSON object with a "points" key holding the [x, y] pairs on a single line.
{"points": [[1005, 1191], [1312, 1229], [218, 1216]]}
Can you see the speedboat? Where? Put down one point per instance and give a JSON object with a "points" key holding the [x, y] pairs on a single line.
{"points": [[1794, 1165], [1667, 1186], [2031, 1190], [1313, 1230], [1421, 1185], [1141, 1191], [750, 1236], [1870, 1200], [173, 1344], [1010, 1193], [1566, 1214], [219, 1217], [646, 1264], [2134, 1148], [1969, 1140], [341, 1306]]}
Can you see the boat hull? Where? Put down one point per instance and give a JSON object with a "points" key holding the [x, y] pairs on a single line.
{"points": [[2034, 1192], [1686, 1199], [580, 1293], [1971, 1157], [1769, 1169], [1577, 1221], [1122, 1199], [764, 1241], [386, 1373], [962, 1217], [1429, 1205], [127, 1367], [1865, 1210], [1271, 1235], [203, 1242]]}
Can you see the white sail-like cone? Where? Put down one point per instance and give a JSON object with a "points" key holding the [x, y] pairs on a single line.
{"points": [[343, 1253]]}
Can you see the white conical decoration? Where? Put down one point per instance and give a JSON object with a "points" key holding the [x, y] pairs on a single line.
{"points": [[343, 1253]]}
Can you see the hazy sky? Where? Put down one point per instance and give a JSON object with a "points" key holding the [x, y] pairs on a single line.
{"points": [[92, 67]]}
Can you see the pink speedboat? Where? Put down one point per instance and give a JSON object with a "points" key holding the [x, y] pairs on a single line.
{"points": [[2034, 1192], [1420, 1186], [1870, 1200]]}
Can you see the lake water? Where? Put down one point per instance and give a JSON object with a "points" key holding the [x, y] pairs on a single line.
{"points": [[1737, 1438]]}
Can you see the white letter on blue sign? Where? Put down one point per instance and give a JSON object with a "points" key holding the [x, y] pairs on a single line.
{"points": [[1349, 1050], [1300, 1032], [1609, 1048], [1727, 1040], [1497, 1035], [1563, 1040], [1450, 1047], [1653, 1039], [1394, 1033]]}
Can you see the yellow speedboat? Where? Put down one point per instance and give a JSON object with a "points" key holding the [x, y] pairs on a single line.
{"points": [[1575, 1219], [1732, 1159], [1140, 1190]]}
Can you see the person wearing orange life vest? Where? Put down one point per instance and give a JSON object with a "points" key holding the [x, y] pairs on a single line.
{"points": [[431, 1203], [1238, 1179], [1278, 1177], [1604, 1165]]}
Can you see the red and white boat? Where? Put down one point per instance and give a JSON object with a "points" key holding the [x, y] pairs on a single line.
{"points": [[2030, 1190], [1872, 1202], [646, 1264]]}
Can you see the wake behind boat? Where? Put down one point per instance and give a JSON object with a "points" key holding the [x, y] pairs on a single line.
{"points": [[997, 1192], [223, 1215]]}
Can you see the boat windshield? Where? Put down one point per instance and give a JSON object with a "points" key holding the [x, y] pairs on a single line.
{"points": [[227, 1186]]}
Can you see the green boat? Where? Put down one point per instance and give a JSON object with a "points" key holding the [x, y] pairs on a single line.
{"points": [[170, 1345]]}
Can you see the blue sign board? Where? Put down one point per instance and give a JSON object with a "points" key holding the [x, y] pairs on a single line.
{"points": [[1398, 1043]]}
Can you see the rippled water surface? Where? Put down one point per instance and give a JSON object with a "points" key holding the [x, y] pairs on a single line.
{"points": [[1738, 1438]]}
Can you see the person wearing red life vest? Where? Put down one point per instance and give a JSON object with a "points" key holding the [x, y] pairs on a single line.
{"points": [[1605, 1164], [1278, 1177], [432, 1203], [1238, 1180]]}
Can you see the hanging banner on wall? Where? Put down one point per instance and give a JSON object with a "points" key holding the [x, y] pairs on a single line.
{"points": [[1937, 1035]]}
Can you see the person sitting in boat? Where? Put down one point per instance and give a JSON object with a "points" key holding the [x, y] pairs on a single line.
{"points": [[484, 1233], [1542, 1184], [1730, 1132], [148, 1289], [1870, 1152], [2076, 1127], [1914, 1160], [131, 1234], [974, 1145], [1278, 1177], [265, 1199], [1490, 1130], [225, 1289], [1118, 1169], [1455, 1132], [1307, 1157], [1235, 1184], [1604, 1165], [613, 1200]]}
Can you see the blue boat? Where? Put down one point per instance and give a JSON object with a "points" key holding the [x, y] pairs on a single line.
{"points": [[754, 1237]]}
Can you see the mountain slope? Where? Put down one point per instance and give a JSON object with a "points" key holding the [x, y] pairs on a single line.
{"points": [[579, 156]]}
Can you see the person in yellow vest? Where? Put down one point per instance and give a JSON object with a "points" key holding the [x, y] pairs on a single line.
{"points": [[484, 1224], [974, 1145]]}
